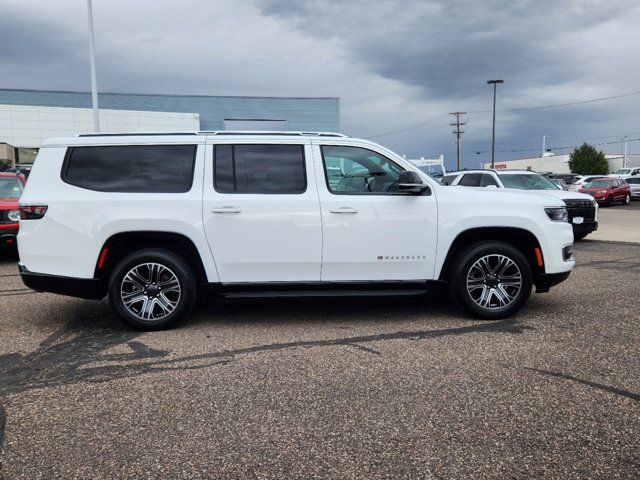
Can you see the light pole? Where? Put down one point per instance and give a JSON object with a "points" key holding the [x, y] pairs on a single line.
{"points": [[92, 61], [493, 135]]}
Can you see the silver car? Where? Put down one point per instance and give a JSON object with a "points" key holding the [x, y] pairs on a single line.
{"points": [[634, 183]]}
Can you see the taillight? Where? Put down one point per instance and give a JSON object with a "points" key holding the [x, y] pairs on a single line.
{"points": [[32, 212]]}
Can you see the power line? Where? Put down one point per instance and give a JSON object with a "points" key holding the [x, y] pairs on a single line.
{"points": [[517, 109], [457, 132]]}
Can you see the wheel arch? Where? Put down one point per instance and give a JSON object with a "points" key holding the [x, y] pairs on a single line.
{"points": [[116, 247], [522, 239]]}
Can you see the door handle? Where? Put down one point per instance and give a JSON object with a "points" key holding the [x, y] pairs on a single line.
{"points": [[225, 210], [343, 210]]}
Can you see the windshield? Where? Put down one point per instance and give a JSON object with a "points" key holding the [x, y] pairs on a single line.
{"points": [[10, 187], [527, 181], [623, 171], [599, 183]]}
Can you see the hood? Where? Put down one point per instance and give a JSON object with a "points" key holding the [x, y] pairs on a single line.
{"points": [[475, 194], [8, 203], [565, 195], [594, 189]]}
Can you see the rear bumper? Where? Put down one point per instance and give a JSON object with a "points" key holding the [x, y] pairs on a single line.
{"points": [[8, 237], [89, 288], [545, 281]]}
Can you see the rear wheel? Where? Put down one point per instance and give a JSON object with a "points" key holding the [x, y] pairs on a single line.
{"points": [[490, 280], [627, 199], [152, 289]]}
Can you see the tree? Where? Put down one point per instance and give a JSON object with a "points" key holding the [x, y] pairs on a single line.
{"points": [[586, 160]]}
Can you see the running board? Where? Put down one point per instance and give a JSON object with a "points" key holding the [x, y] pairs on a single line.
{"points": [[323, 293]]}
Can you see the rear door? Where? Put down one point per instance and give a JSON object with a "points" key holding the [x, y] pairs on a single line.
{"points": [[372, 232], [261, 211]]}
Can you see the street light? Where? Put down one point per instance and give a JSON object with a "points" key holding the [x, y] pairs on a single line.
{"points": [[92, 60], [493, 136]]}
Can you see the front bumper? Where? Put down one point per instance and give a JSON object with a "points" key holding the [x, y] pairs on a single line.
{"points": [[89, 288], [8, 237], [585, 227], [545, 281]]}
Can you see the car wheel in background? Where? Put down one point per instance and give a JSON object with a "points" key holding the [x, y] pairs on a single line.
{"points": [[152, 289], [609, 201], [627, 199], [490, 280]]}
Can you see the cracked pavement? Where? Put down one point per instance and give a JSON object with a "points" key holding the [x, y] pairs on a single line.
{"points": [[358, 388]]}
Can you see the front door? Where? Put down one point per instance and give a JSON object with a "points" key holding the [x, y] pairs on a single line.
{"points": [[261, 212], [370, 230]]}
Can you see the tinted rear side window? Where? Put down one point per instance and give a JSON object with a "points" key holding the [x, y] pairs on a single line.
{"points": [[275, 169], [634, 181], [131, 168]]}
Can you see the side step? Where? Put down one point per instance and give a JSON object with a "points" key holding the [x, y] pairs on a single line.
{"points": [[322, 293]]}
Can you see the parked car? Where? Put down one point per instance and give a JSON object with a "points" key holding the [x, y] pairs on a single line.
{"points": [[156, 221], [583, 211], [11, 187], [569, 178], [608, 190], [634, 186], [625, 172], [581, 181], [21, 168], [558, 182]]}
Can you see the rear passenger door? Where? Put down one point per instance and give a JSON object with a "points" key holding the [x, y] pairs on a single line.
{"points": [[261, 212]]}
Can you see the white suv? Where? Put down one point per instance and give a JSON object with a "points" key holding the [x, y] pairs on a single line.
{"points": [[155, 221]]}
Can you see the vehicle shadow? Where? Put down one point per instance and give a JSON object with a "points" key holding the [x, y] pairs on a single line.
{"points": [[83, 349]]}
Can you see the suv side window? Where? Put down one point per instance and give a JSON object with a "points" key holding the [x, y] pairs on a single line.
{"points": [[471, 180], [487, 180], [268, 168], [356, 170], [131, 168]]}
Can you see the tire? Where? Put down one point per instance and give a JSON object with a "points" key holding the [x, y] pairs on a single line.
{"points": [[627, 199], [468, 266], [609, 201], [159, 285], [580, 236]]}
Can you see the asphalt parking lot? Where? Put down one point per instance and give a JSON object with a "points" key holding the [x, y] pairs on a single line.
{"points": [[328, 389]]}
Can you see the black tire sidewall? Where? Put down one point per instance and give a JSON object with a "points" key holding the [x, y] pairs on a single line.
{"points": [[460, 269], [181, 269]]}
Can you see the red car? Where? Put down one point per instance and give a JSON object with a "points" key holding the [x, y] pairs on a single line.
{"points": [[11, 186], [608, 190]]}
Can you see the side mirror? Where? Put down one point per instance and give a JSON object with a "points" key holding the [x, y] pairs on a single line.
{"points": [[410, 183]]}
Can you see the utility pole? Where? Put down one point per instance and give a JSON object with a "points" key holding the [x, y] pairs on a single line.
{"points": [[544, 150], [624, 156], [457, 132], [92, 61], [493, 135]]}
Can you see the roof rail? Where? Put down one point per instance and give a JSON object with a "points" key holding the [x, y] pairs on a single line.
{"points": [[273, 133], [213, 132], [135, 134]]}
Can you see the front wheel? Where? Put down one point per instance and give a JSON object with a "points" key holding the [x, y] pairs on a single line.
{"points": [[490, 280], [627, 199], [152, 289]]}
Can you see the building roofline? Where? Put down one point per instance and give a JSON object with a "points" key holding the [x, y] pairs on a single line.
{"points": [[165, 94]]}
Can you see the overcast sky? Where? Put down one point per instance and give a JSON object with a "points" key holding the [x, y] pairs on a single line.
{"points": [[394, 64]]}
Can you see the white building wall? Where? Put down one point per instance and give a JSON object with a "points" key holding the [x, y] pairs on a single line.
{"points": [[29, 126], [559, 163]]}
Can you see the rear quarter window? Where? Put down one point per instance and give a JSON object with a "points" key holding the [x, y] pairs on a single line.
{"points": [[131, 168]]}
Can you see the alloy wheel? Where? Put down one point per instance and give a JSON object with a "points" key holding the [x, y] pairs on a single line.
{"points": [[494, 281], [150, 291]]}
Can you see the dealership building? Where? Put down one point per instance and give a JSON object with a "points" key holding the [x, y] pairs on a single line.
{"points": [[28, 117], [560, 163]]}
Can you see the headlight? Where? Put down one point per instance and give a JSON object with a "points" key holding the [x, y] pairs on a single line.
{"points": [[557, 214], [14, 215]]}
